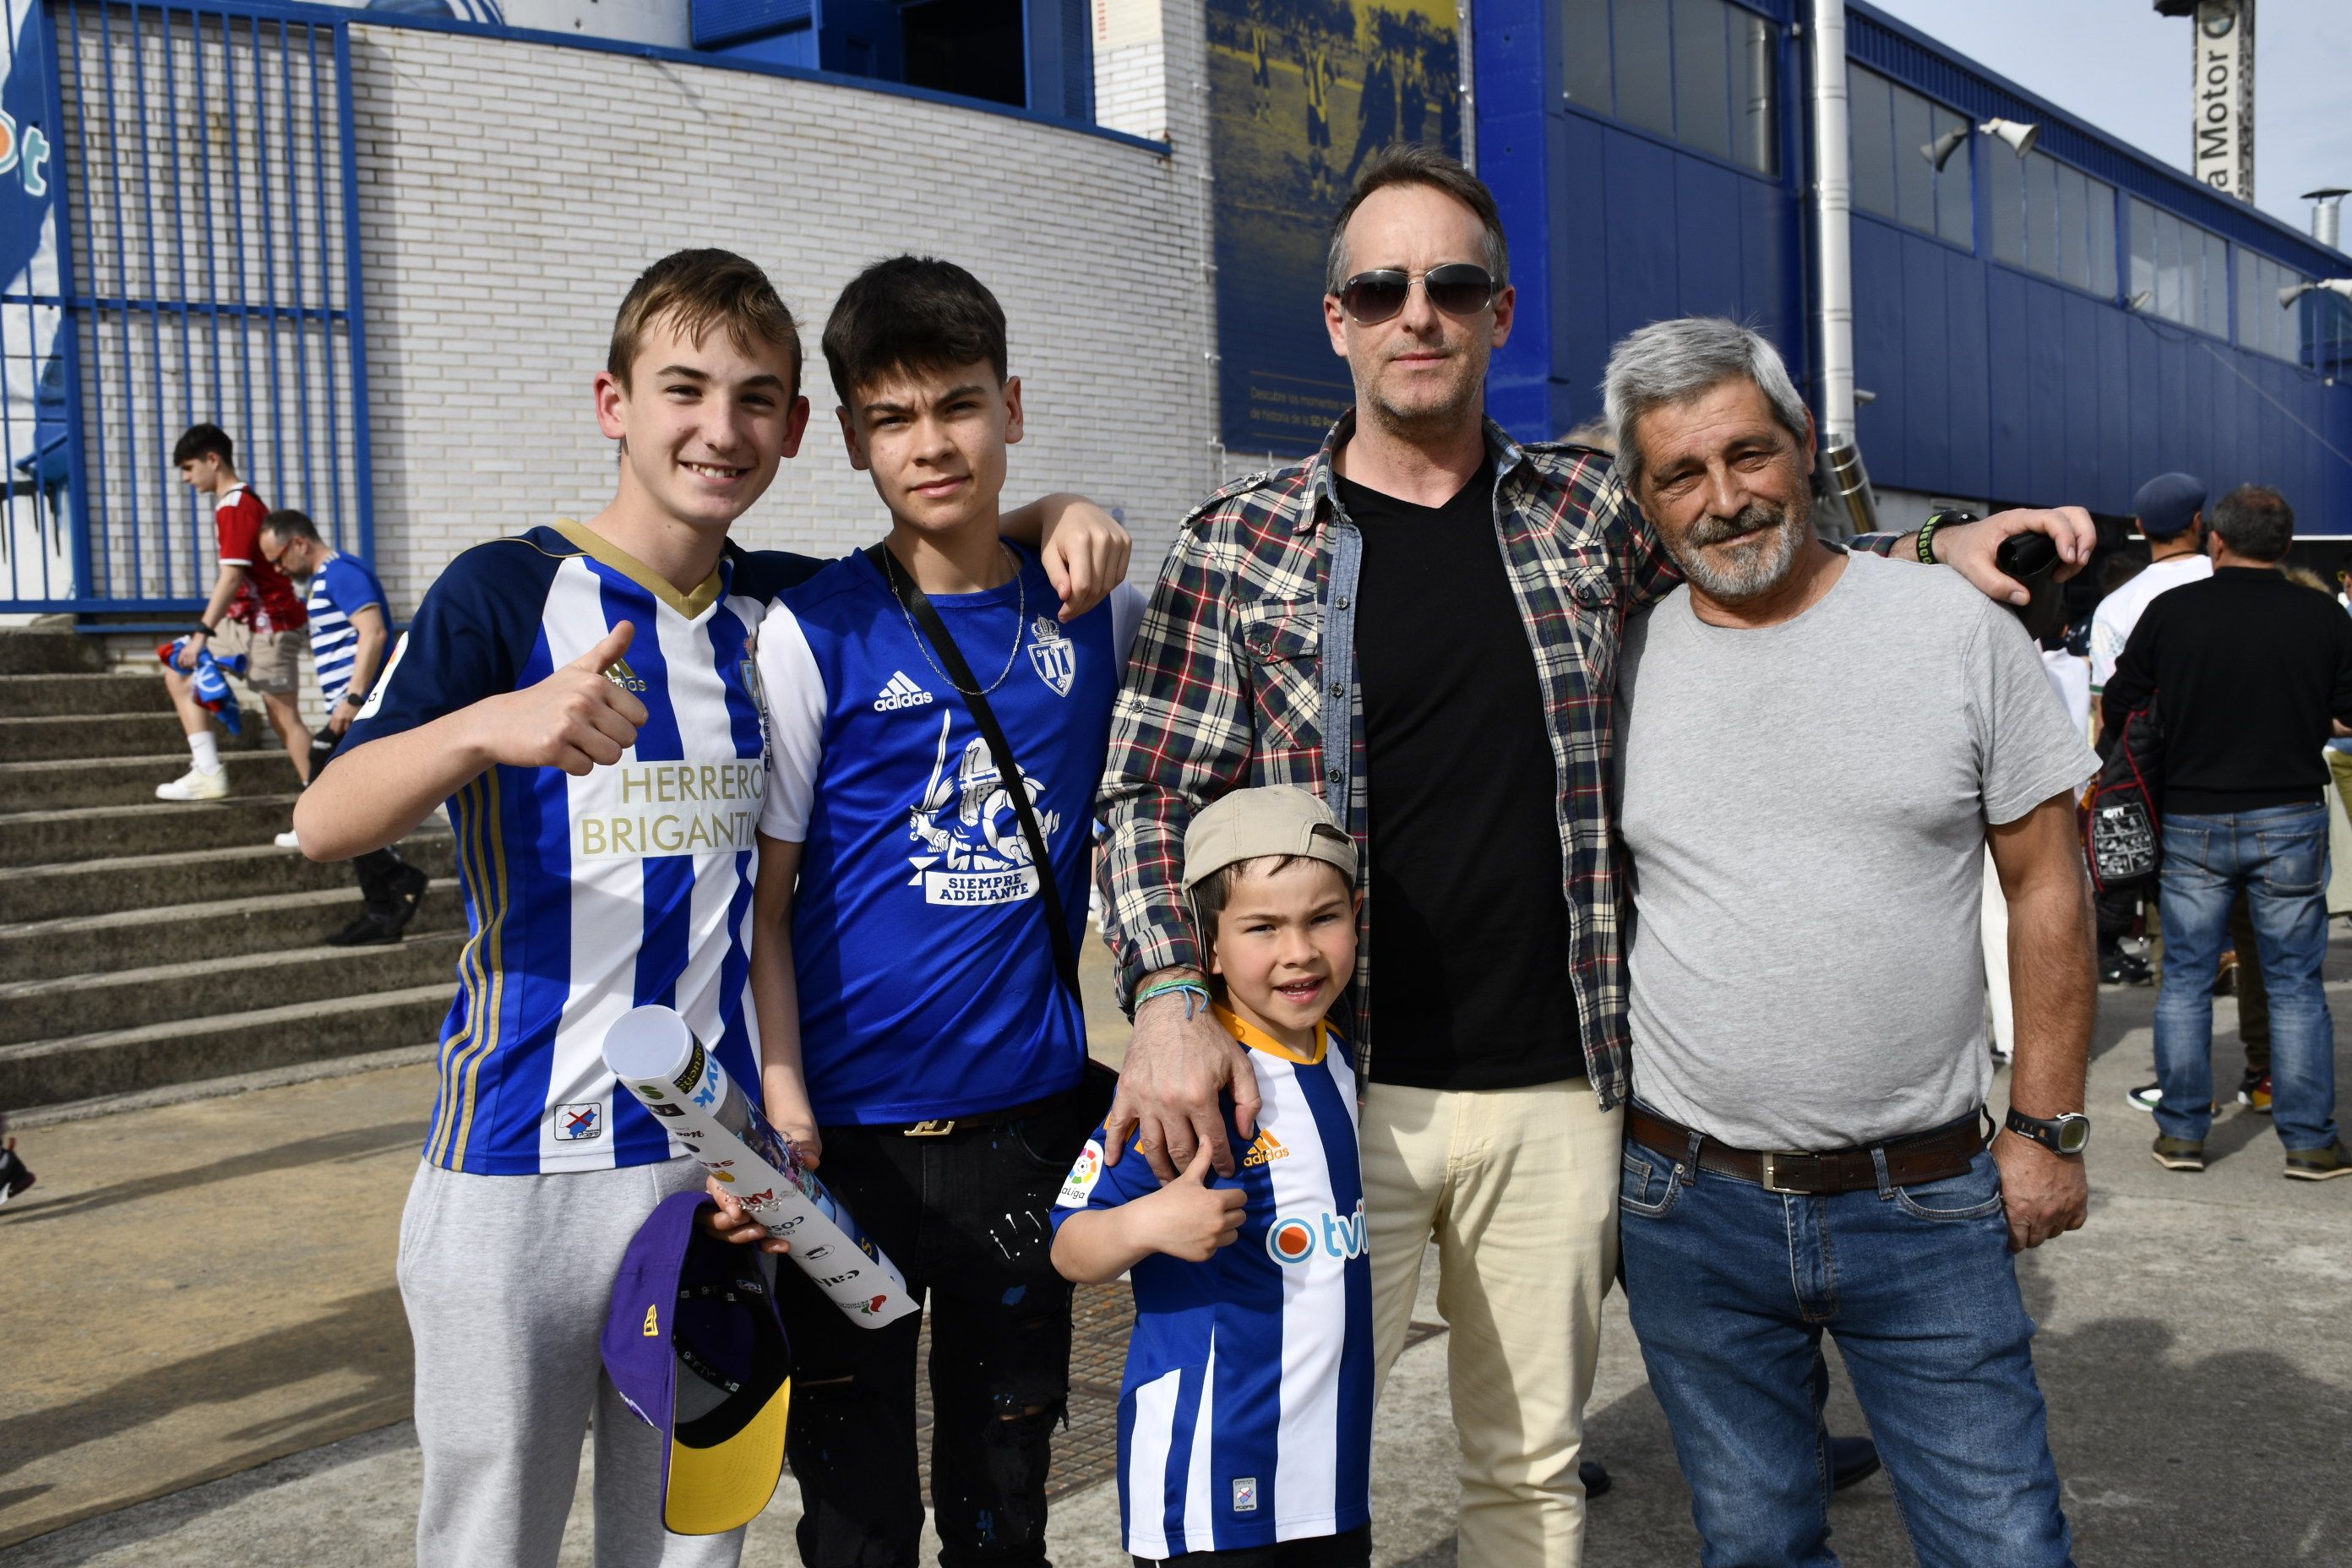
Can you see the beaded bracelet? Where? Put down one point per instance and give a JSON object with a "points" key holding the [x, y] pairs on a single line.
{"points": [[1190, 988]]}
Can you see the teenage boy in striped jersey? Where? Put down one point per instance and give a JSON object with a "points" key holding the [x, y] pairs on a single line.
{"points": [[1246, 1418], [350, 631], [581, 695]]}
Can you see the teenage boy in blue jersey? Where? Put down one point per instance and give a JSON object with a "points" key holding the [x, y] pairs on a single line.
{"points": [[1245, 1419], [582, 696], [916, 1028]]}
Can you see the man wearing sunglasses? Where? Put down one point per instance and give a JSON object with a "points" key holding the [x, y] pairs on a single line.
{"points": [[1451, 602]]}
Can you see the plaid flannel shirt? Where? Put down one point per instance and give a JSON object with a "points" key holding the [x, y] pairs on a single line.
{"points": [[1245, 657]]}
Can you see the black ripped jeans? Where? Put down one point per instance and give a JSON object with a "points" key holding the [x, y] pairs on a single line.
{"points": [[963, 1215]]}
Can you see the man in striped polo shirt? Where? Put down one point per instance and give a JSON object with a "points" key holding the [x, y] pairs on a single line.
{"points": [[350, 627]]}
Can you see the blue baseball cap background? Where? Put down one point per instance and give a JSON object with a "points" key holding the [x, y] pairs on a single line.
{"points": [[694, 1342], [2167, 504]]}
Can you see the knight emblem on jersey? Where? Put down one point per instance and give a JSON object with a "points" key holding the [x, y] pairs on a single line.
{"points": [[972, 850], [1053, 655]]}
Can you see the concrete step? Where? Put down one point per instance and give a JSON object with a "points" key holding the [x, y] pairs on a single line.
{"points": [[188, 877], [221, 931], [145, 734], [189, 993], [46, 696], [127, 781], [49, 837], [30, 650], [47, 1072]]}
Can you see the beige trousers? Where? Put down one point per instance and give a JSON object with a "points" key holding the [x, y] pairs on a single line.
{"points": [[1519, 1189]]}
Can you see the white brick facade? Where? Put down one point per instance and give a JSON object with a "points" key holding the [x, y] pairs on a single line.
{"points": [[509, 192]]}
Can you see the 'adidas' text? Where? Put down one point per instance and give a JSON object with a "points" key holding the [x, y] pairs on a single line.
{"points": [[901, 692]]}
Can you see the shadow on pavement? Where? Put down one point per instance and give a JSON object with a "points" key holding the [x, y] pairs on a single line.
{"points": [[330, 1147]]}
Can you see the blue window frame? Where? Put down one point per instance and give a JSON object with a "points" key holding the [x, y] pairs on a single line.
{"points": [[1701, 72]]}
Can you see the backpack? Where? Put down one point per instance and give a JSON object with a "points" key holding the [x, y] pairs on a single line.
{"points": [[2123, 837]]}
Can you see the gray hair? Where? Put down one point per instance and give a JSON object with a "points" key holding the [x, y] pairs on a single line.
{"points": [[1674, 361]]}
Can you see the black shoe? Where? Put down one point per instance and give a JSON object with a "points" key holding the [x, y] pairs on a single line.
{"points": [[15, 1176], [1851, 1459], [1595, 1476], [371, 930], [2121, 968]]}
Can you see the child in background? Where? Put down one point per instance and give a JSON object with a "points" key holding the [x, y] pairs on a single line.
{"points": [[1246, 1418]]}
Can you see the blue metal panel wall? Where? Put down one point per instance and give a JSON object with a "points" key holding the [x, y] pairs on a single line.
{"points": [[1612, 227], [1991, 380]]}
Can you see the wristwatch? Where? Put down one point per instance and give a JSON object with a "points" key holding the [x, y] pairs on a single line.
{"points": [[2068, 1132], [356, 698]]}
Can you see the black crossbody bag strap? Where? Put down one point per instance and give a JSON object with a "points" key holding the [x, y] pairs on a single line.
{"points": [[952, 659]]}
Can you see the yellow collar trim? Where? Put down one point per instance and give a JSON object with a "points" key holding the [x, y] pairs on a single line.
{"points": [[1257, 1039], [596, 545]]}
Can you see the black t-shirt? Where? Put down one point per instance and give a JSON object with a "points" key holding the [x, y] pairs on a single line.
{"points": [[1471, 938]]}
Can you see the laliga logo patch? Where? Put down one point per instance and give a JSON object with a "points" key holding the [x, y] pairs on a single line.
{"points": [[1084, 1175], [1294, 1240]]}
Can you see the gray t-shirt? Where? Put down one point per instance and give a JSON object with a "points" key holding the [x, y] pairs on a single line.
{"points": [[1805, 806]]}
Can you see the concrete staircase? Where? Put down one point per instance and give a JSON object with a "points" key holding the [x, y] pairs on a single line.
{"points": [[146, 944]]}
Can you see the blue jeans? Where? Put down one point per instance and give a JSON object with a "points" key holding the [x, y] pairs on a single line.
{"points": [[2279, 857], [1730, 1286]]}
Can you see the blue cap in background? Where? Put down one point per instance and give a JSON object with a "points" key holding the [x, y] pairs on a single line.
{"points": [[2167, 504]]}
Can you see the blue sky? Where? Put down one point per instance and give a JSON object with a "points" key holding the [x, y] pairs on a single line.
{"points": [[2122, 68]]}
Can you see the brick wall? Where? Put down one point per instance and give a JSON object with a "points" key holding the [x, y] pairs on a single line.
{"points": [[509, 192]]}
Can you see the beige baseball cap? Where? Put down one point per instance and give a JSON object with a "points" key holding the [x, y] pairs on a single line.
{"points": [[1273, 820]]}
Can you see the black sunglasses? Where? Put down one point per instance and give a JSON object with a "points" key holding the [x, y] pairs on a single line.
{"points": [[1458, 289]]}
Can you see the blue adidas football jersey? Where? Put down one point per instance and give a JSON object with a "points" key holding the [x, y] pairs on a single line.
{"points": [[339, 589], [586, 897], [927, 979], [1245, 1416]]}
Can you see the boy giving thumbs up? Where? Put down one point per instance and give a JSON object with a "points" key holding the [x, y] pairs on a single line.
{"points": [[583, 697], [1245, 1416]]}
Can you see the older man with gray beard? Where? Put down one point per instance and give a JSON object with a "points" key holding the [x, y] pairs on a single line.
{"points": [[1817, 749]]}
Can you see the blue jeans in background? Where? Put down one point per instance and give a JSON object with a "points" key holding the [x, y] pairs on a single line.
{"points": [[1730, 1287], [2278, 855]]}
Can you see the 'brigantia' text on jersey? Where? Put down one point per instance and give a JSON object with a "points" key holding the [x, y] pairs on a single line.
{"points": [[926, 980], [585, 897], [1245, 1416]]}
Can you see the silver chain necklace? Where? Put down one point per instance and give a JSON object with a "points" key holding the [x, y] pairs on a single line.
{"points": [[1020, 623]]}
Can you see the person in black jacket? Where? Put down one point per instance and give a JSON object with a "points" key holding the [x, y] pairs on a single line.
{"points": [[2248, 672]]}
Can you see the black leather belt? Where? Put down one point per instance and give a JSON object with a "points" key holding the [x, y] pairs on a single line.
{"points": [[941, 1127], [1932, 1156]]}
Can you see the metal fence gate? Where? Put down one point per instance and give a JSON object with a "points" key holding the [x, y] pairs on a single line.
{"points": [[193, 258]]}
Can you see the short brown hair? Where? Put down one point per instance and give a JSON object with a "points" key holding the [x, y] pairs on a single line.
{"points": [[695, 290], [911, 312], [1409, 163]]}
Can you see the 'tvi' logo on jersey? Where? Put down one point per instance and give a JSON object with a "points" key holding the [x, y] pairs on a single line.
{"points": [[1296, 1238]]}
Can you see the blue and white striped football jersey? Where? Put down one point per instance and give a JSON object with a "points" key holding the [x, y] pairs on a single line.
{"points": [[586, 897], [339, 589], [1245, 1416]]}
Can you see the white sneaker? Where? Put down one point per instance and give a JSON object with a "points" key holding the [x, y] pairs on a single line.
{"points": [[195, 784], [286, 840]]}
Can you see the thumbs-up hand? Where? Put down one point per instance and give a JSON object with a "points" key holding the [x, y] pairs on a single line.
{"points": [[575, 720], [1191, 1219]]}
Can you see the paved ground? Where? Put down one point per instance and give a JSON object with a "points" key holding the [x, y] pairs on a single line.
{"points": [[198, 1297]]}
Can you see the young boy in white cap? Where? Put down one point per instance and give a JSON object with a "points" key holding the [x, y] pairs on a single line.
{"points": [[1245, 1419]]}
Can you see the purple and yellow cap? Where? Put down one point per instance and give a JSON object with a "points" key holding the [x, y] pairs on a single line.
{"points": [[696, 1346]]}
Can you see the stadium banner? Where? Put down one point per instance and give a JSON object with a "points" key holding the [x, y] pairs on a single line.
{"points": [[1301, 92], [657, 1057], [33, 464]]}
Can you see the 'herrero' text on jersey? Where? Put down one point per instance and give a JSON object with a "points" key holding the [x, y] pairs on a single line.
{"points": [[927, 979], [585, 897]]}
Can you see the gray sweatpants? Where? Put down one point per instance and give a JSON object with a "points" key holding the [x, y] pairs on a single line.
{"points": [[508, 1281]]}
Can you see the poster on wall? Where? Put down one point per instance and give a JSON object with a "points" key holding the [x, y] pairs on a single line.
{"points": [[33, 467], [1301, 92]]}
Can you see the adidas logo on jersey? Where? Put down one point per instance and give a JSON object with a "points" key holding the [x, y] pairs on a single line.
{"points": [[1268, 1147], [619, 673], [901, 692]]}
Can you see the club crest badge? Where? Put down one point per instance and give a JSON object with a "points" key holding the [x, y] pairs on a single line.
{"points": [[1053, 655]]}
